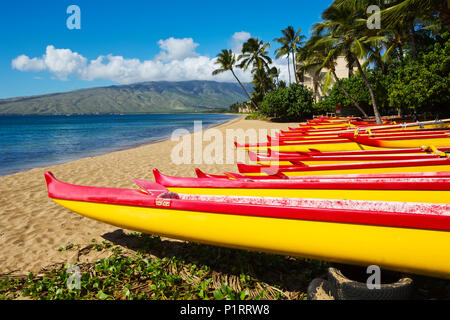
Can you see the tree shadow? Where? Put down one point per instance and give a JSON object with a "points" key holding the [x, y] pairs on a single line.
{"points": [[283, 272], [286, 273]]}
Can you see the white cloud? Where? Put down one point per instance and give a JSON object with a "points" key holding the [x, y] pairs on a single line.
{"points": [[177, 49], [237, 40], [63, 62], [241, 36], [24, 63], [177, 61]]}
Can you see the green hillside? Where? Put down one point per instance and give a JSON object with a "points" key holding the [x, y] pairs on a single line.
{"points": [[146, 97]]}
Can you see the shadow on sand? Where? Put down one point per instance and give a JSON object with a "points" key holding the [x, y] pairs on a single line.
{"points": [[286, 273]]}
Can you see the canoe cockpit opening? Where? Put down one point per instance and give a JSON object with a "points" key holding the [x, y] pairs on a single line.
{"points": [[169, 195]]}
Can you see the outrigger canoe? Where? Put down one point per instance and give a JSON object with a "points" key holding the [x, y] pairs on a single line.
{"points": [[323, 146], [438, 124], [299, 169], [384, 133], [351, 141], [309, 158], [425, 190], [317, 153], [438, 140], [408, 237], [279, 175]]}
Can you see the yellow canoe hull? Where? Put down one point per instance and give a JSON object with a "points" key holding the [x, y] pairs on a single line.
{"points": [[403, 249], [312, 163], [362, 171], [323, 147], [422, 196], [415, 143], [396, 127]]}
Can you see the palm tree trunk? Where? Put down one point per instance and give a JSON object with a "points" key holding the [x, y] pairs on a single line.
{"points": [[444, 13], [400, 52], [289, 68], [413, 41], [295, 69], [316, 88], [372, 95], [351, 63], [348, 95], [245, 90]]}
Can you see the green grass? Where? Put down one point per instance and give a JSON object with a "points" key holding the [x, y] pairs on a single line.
{"points": [[139, 266]]}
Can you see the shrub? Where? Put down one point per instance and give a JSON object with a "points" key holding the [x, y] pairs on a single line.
{"points": [[323, 107], [293, 103], [423, 84]]}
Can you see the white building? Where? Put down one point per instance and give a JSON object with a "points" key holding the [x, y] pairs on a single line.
{"points": [[315, 83]]}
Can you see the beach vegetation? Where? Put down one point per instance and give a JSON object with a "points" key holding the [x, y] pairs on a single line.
{"points": [[398, 65], [292, 103], [156, 269], [165, 270]]}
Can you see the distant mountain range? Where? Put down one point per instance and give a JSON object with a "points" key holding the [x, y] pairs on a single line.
{"points": [[145, 97]]}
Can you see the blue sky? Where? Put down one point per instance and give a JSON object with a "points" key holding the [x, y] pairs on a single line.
{"points": [[128, 41]]}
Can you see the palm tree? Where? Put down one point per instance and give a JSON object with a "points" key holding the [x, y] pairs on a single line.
{"points": [[310, 60], [400, 16], [226, 60], [330, 63], [263, 81], [405, 9], [347, 34], [284, 50], [254, 53], [293, 41], [316, 57]]}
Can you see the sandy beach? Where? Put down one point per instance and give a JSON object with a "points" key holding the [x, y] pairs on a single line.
{"points": [[33, 227]]}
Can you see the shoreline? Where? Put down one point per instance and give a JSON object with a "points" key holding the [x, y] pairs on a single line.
{"points": [[92, 154], [33, 227]]}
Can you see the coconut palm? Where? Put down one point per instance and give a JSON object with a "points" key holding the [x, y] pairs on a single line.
{"points": [[401, 15], [284, 50], [263, 81], [347, 34], [226, 60], [406, 9], [315, 58], [293, 40], [255, 54]]}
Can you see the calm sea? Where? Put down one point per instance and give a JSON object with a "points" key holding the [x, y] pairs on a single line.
{"points": [[28, 142]]}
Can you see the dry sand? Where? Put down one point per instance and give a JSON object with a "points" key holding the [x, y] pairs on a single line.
{"points": [[33, 227]]}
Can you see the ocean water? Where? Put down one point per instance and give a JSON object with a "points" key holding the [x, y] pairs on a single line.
{"points": [[32, 141]]}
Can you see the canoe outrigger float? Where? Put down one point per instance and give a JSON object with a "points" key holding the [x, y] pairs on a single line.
{"points": [[424, 190], [408, 237]]}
